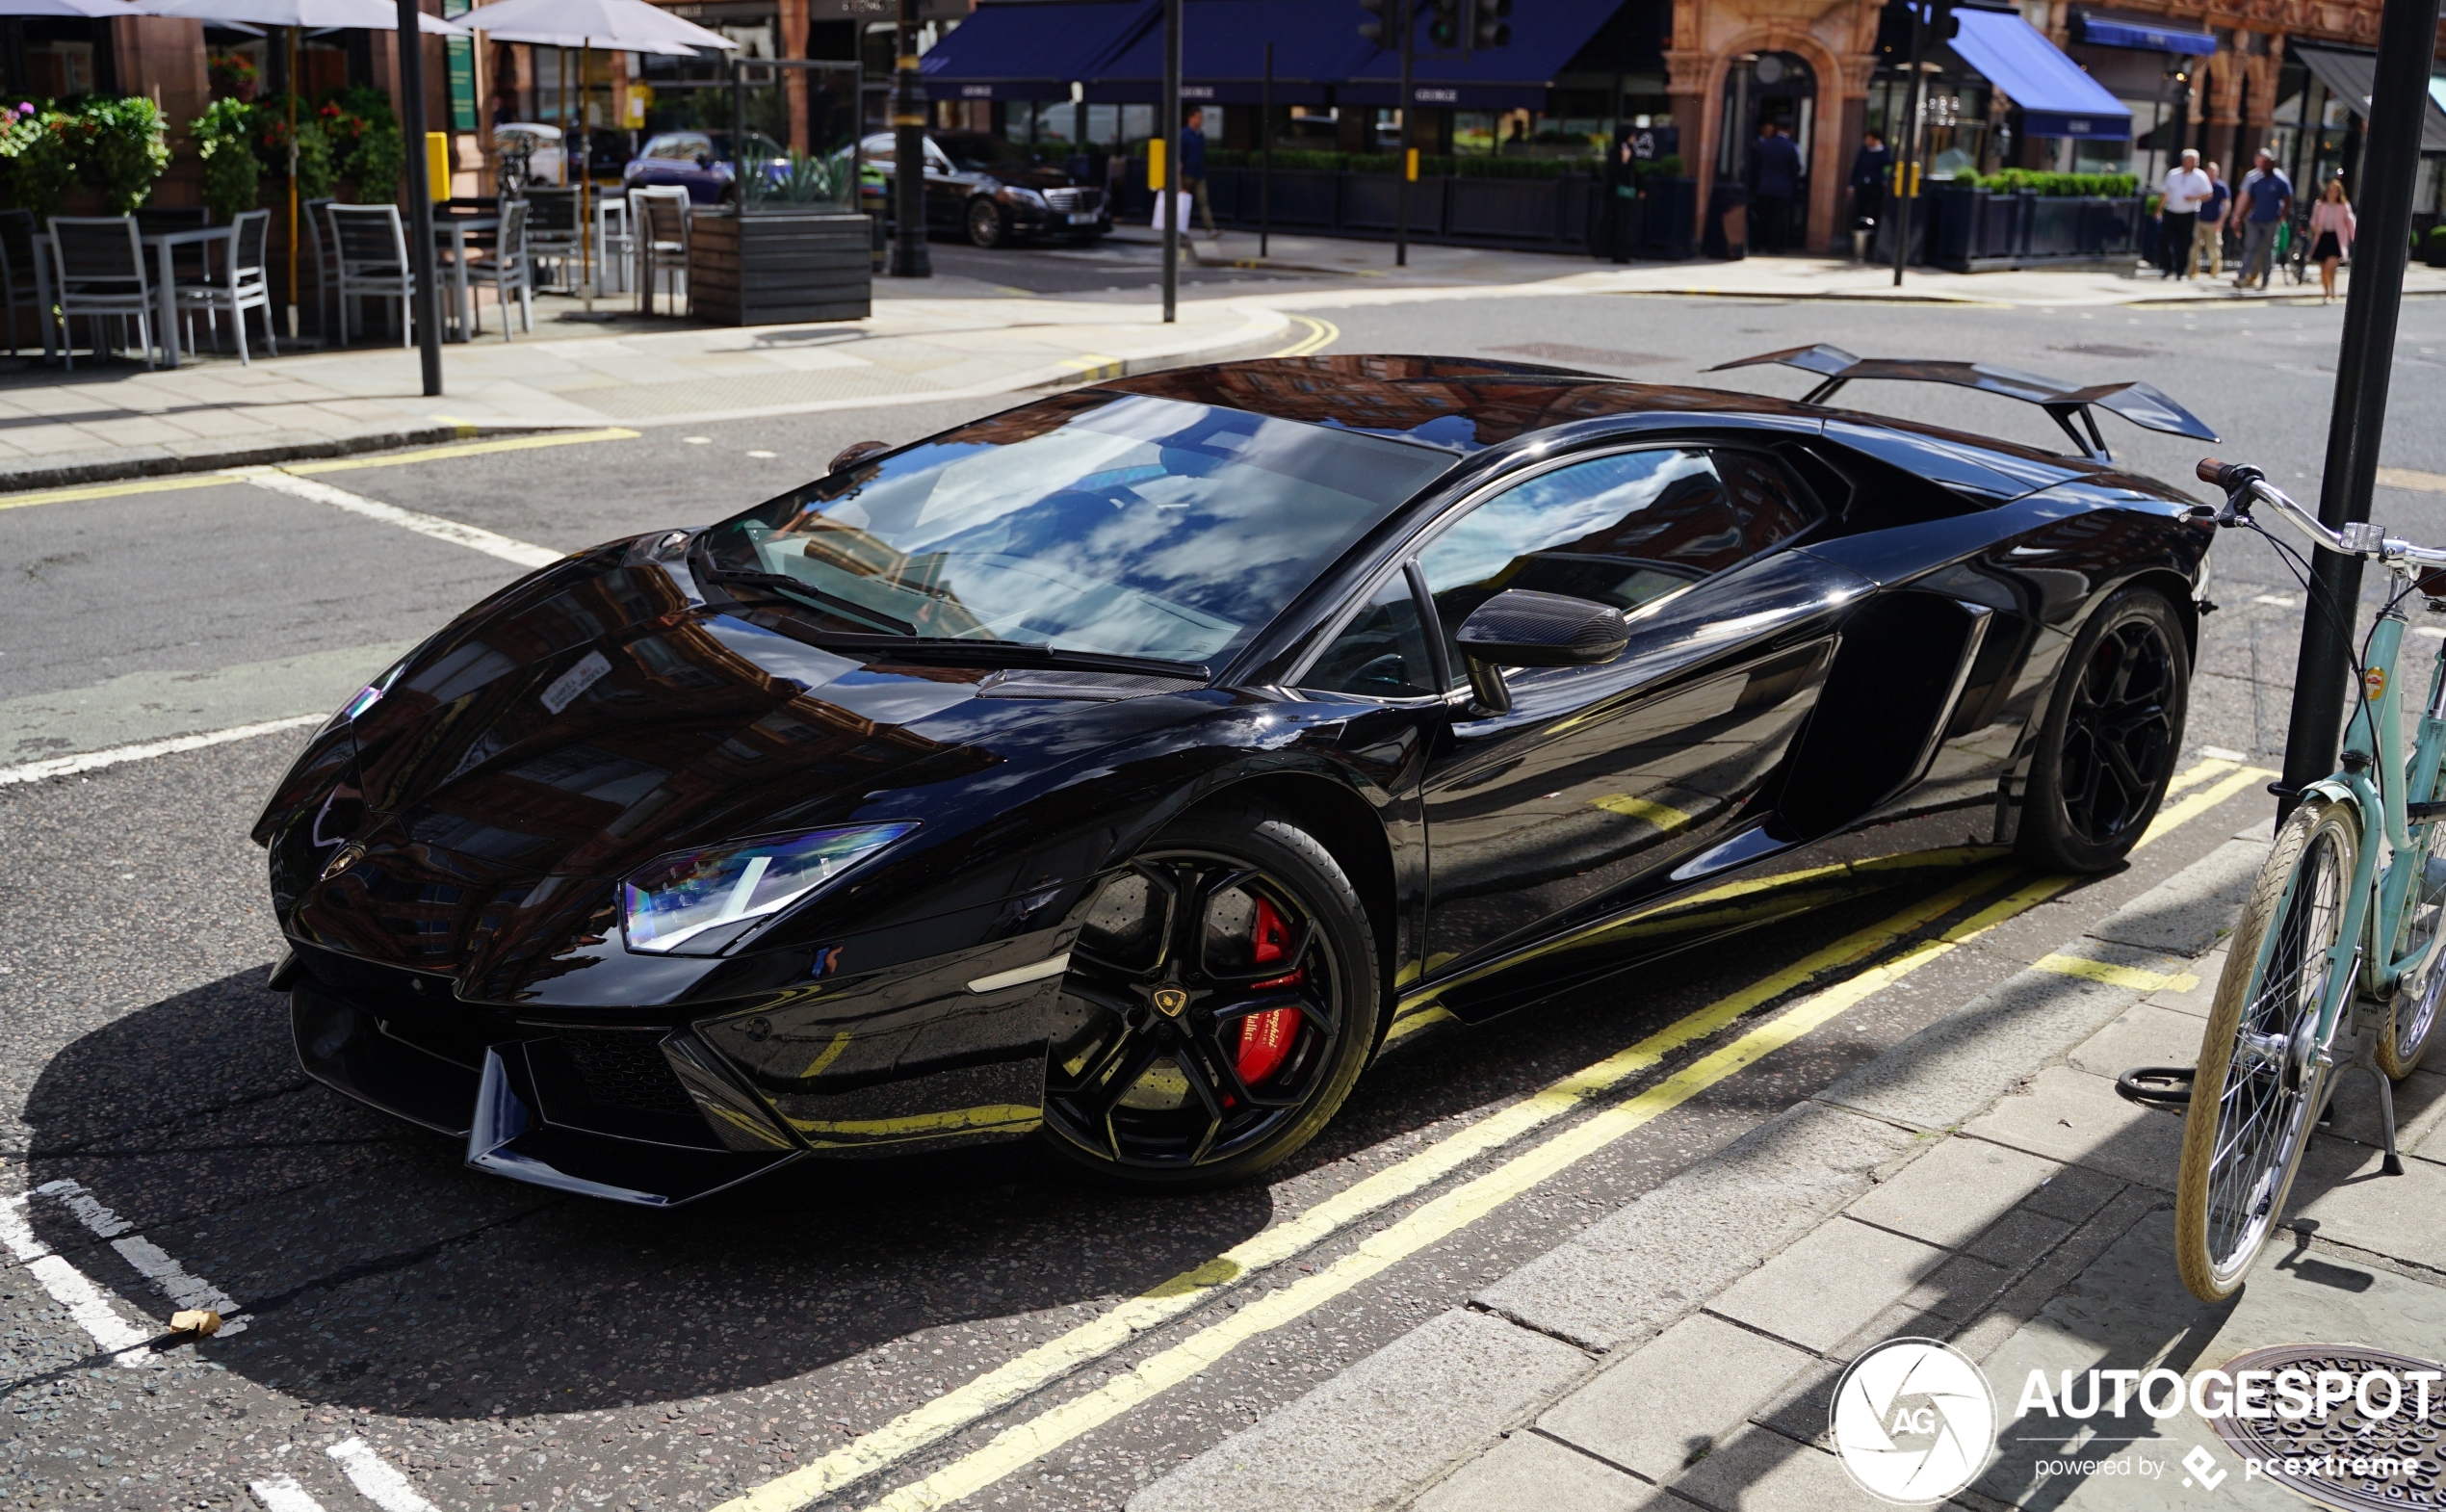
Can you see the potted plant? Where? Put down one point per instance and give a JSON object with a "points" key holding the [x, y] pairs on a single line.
{"points": [[2434, 250], [793, 246], [224, 136]]}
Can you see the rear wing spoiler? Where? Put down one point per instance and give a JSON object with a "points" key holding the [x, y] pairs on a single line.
{"points": [[2141, 403]]}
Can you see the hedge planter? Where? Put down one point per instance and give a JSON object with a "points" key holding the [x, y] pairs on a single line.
{"points": [[777, 267], [1977, 230], [1559, 214]]}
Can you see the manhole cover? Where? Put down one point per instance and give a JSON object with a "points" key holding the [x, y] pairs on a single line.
{"points": [[2346, 1457]]}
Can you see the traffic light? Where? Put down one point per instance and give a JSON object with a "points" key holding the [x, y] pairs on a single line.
{"points": [[1377, 30], [1489, 23], [1443, 25]]}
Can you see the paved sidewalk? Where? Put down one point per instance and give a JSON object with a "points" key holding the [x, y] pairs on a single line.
{"points": [[1434, 268], [121, 422], [1980, 1182]]}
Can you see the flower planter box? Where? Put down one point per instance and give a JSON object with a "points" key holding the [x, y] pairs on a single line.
{"points": [[1669, 218], [774, 266], [1463, 210]]}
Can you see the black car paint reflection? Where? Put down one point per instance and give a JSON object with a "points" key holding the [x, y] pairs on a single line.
{"points": [[1815, 713]]}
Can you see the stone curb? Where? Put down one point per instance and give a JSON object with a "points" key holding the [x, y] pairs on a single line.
{"points": [[1372, 1438]]}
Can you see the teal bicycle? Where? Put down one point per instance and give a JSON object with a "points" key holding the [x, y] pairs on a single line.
{"points": [[2341, 929]]}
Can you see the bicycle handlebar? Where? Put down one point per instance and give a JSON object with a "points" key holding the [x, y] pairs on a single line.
{"points": [[2241, 484]]}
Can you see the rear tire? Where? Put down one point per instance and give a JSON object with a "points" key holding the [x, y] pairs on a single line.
{"points": [[2113, 729], [2261, 1080], [1255, 925], [2413, 1013]]}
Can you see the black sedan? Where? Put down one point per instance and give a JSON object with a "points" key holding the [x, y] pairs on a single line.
{"points": [[989, 188], [1130, 769]]}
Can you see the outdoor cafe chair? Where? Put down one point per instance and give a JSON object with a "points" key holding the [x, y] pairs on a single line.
{"points": [[109, 280], [373, 259], [552, 233], [660, 218], [20, 288], [506, 266], [314, 240], [243, 283]]}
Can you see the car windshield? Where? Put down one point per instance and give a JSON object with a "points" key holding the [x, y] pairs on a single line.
{"points": [[1114, 524], [689, 147]]}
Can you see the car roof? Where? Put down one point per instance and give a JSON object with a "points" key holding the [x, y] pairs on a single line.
{"points": [[1461, 404]]}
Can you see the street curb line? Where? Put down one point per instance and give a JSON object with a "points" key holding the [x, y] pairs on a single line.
{"points": [[121, 469]]}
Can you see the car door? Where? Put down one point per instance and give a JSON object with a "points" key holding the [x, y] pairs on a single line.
{"points": [[1598, 779]]}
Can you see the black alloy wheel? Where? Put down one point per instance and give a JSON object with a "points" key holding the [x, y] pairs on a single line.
{"points": [[1226, 985], [987, 225], [2113, 731]]}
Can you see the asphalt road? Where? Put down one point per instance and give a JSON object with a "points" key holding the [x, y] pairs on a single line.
{"points": [[500, 1346]]}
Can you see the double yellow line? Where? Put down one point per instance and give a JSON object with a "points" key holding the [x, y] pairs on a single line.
{"points": [[1018, 1445], [337, 464], [1315, 336]]}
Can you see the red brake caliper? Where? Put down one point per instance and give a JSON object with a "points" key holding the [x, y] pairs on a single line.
{"points": [[1266, 1038]]}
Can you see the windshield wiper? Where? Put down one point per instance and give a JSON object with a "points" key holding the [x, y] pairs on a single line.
{"points": [[1006, 653], [784, 583], [943, 649]]}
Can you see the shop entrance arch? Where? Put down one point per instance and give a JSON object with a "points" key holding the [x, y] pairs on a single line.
{"points": [[1759, 88]]}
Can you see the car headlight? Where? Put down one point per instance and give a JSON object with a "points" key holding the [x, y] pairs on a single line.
{"points": [[1028, 196], [700, 901]]}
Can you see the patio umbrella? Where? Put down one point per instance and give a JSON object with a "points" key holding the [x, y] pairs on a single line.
{"points": [[89, 8], [626, 26]]}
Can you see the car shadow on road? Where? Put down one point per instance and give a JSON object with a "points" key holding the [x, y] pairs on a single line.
{"points": [[380, 1274]]}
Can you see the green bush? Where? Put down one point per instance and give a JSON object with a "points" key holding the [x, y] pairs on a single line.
{"points": [[366, 141], [2114, 186], [314, 145], [38, 151], [224, 138], [126, 147], [2437, 236]]}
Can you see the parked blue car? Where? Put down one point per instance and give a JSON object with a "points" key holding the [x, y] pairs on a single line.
{"points": [[698, 161]]}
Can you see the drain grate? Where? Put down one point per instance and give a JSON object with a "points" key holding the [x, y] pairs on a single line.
{"points": [[2346, 1458]]}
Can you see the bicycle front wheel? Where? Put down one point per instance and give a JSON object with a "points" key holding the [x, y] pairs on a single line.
{"points": [[2262, 1069]]}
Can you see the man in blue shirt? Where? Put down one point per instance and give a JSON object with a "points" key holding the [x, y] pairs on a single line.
{"points": [[1775, 181], [2265, 200], [1193, 165]]}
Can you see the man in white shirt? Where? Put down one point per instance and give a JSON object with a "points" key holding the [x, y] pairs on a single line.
{"points": [[2179, 199]]}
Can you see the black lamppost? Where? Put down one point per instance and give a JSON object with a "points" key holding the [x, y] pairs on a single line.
{"points": [[909, 259], [421, 256], [2399, 100]]}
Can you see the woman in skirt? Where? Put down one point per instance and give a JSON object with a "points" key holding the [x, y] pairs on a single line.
{"points": [[2331, 234]]}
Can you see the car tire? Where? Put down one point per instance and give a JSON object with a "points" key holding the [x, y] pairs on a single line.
{"points": [[987, 225], [2114, 727], [1151, 1093]]}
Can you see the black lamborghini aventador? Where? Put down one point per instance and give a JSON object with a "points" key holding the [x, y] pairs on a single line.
{"points": [[1128, 769]]}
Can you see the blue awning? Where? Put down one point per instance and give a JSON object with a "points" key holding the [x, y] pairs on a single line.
{"points": [[2098, 32], [2056, 96], [1033, 49], [1223, 53], [1544, 36]]}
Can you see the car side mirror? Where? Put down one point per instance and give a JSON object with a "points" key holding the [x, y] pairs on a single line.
{"points": [[857, 452], [1522, 628], [703, 160]]}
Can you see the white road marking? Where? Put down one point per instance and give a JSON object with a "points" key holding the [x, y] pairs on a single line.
{"points": [[2430, 631], [70, 1288], [474, 537], [94, 761], [168, 1277], [2275, 600], [282, 1494], [387, 1488]]}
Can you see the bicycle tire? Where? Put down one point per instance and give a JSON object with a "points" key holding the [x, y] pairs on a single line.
{"points": [[2419, 998], [2225, 1208]]}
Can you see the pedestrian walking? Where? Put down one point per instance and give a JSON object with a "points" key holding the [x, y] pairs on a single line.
{"points": [[2178, 200], [1194, 165], [1774, 182], [2209, 241], [2332, 228], [2265, 200], [1871, 165], [1622, 199]]}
